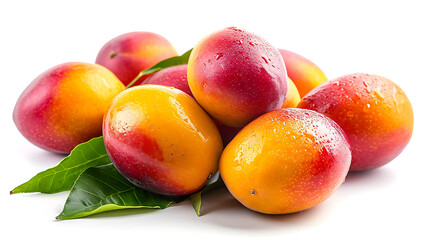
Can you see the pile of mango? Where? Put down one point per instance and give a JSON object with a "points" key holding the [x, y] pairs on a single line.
{"points": [[282, 135]]}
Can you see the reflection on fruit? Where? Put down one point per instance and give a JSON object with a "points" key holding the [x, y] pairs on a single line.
{"points": [[236, 76], [161, 140], [177, 77], [64, 106], [286, 161], [372, 110], [130, 53], [304, 73]]}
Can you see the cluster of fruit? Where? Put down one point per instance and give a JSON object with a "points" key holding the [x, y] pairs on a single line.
{"points": [[283, 137]]}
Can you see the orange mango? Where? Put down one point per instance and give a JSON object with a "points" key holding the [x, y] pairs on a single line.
{"points": [[286, 161], [374, 112], [64, 106], [161, 140]]}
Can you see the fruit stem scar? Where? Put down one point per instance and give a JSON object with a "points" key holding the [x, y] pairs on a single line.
{"points": [[112, 54], [253, 192]]}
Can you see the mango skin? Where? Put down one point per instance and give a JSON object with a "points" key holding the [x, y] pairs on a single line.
{"points": [[236, 76], [292, 98], [304, 73], [65, 105], [227, 133], [175, 76], [130, 53], [161, 140], [286, 161], [374, 112]]}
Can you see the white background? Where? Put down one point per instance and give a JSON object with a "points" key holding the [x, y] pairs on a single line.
{"points": [[387, 38]]}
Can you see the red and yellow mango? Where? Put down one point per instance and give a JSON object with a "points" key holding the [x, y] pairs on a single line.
{"points": [[236, 76], [130, 53], [64, 106], [374, 112], [286, 161], [161, 140]]}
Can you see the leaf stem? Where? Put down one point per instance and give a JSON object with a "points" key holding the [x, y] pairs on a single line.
{"points": [[134, 80], [169, 62]]}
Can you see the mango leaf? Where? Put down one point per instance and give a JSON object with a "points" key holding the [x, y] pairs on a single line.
{"points": [[169, 62], [103, 188], [196, 198], [62, 176]]}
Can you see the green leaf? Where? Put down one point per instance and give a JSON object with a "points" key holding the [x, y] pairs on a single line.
{"points": [[103, 188], [173, 61], [196, 198], [62, 176]]}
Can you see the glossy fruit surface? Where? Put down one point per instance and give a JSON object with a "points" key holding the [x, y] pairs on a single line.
{"points": [[176, 77], [286, 161], [236, 76], [64, 106], [373, 111], [161, 140]]}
